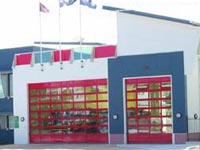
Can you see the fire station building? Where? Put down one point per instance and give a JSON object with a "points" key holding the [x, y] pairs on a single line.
{"points": [[142, 90]]}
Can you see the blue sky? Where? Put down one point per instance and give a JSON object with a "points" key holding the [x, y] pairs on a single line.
{"points": [[20, 24]]}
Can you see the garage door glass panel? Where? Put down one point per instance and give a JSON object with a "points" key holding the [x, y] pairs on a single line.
{"points": [[148, 110]]}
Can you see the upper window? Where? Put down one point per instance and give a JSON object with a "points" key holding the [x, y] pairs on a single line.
{"points": [[42, 58], [82, 53], [6, 86]]}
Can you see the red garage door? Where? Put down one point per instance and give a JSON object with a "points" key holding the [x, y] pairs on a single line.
{"points": [[148, 110], [70, 111]]}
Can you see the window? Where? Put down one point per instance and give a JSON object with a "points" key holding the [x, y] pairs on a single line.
{"points": [[11, 85], [1, 90], [6, 85], [3, 121], [13, 122], [9, 122], [3, 86], [82, 53], [42, 58]]}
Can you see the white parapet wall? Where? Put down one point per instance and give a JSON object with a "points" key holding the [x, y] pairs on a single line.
{"points": [[25, 74], [145, 35]]}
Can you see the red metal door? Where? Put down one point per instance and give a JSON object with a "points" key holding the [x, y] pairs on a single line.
{"points": [[148, 110], [69, 111]]}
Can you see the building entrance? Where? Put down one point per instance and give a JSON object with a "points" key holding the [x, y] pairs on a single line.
{"points": [[148, 110], [69, 111]]}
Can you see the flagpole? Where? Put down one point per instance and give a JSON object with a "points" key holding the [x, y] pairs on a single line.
{"points": [[59, 26], [40, 15], [80, 34]]}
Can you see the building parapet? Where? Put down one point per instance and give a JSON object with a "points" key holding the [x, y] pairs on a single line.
{"points": [[64, 55]]}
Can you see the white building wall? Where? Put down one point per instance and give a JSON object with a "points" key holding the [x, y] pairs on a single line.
{"points": [[23, 75], [193, 96], [142, 35]]}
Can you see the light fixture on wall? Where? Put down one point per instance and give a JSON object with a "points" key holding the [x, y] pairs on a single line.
{"points": [[22, 119], [195, 116], [82, 65], [146, 67], [178, 115], [61, 65], [42, 67], [115, 117]]}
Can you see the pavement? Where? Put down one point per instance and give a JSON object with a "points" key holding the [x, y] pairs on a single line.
{"points": [[187, 146]]}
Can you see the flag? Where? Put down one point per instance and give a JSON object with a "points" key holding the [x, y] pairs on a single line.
{"points": [[66, 2], [43, 8], [88, 3]]}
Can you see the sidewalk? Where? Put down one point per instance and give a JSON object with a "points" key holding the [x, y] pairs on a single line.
{"points": [[66, 147], [188, 146]]}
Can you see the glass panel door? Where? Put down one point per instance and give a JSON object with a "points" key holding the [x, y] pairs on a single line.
{"points": [[69, 111], [148, 110]]}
